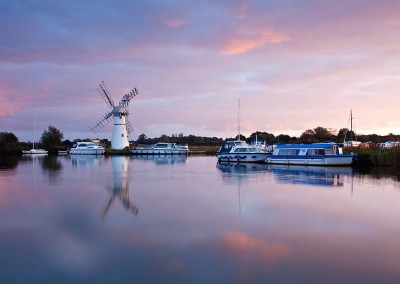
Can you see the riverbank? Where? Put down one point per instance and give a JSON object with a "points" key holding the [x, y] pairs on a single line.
{"points": [[376, 157], [194, 150]]}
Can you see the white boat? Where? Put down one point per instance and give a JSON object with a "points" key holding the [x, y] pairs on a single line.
{"points": [[34, 151], [319, 154], [162, 148], [87, 148], [241, 152]]}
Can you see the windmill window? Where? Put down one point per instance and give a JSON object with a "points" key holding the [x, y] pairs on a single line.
{"points": [[122, 135]]}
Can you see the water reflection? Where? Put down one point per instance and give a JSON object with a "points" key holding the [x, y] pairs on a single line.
{"points": [[162, 159], [311, 175], [199, 223], [120, 188], [9, 162], [86, 160], [241, 167], [291, 174]]}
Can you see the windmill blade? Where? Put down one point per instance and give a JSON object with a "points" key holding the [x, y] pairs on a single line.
{"points": [[106, 95], [127, 98], [101, 122], [129, 127]]}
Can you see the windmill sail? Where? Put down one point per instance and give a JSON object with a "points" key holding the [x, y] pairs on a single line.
{"points": [[105, 95], [102, 121]]}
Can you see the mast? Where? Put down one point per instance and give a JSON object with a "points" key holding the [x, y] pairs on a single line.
{"points": [[239, 119], [34, 131], [351, 126]]}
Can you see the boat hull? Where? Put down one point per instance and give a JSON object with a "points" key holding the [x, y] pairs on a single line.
{"points": [[159, 152], [340, 160], [35, 152], [242, 157]]}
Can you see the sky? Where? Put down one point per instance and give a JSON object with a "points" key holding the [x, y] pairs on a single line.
{"points": [[294, 65]]}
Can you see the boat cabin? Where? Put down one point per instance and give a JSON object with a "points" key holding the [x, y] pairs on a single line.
{"points": [[322, 149], [240, 146]]}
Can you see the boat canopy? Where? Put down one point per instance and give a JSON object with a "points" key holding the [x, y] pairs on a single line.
{"points": [[305, 146]]}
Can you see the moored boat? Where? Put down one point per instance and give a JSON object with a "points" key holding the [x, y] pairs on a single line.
{"points": [[241, 152], [162, 148], [87, 148], [34, 151], [319, 154]]}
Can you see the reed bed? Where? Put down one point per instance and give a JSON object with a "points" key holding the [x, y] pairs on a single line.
{"points": [[376, 156]]}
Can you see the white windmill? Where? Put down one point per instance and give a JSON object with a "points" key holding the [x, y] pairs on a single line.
{"points": [[122, 127]]}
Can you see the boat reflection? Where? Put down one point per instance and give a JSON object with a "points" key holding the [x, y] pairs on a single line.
{"points": [[162, 159], [120, 188], [238, 172], [311, 175], [241, 167], [290, 174], [86, 160]]}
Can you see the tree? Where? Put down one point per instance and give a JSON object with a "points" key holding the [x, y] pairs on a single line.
{"points": [[308, 136], [322, 134], [141, 139], [164, 138], [7, 137], [341, 135], [51, 138], [283, 138]]}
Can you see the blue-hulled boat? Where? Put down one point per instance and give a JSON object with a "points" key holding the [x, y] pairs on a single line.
{"points": [[319, 154]]}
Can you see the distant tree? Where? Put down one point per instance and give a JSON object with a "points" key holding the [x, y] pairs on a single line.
{"points": [[322, 134], [164, 138], [242, 137], [67, 143], [374, 138], [105, 142], [7, 137], [51, 138], [141, 139], [283, 138], [341, 135], [308, 136]]}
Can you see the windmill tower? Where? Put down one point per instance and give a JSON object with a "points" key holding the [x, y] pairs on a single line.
{"points": [[122, 127]]}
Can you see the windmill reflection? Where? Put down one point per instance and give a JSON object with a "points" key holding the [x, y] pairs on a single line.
{"points": [[120, 189]]}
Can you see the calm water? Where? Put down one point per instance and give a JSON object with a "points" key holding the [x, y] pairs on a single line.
{"points": [[189, 220]]}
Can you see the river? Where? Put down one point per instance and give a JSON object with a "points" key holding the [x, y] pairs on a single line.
{"points": [[163, 219]]}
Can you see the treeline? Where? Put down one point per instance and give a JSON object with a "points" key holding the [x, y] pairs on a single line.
{"points": [[51, 139], [180, 139], [316, 135]]}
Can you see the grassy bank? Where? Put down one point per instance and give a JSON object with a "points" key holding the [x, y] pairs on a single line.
{"points": [[203, 150], [376, 157]]}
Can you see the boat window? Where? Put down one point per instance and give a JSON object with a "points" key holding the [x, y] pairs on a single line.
{"points": [[241, 150], [161, 145], [82, 145], [330, 151], [313, 152], [289, 152]]}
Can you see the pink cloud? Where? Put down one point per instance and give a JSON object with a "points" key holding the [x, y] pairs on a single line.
{"points": [[246, 40]]}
